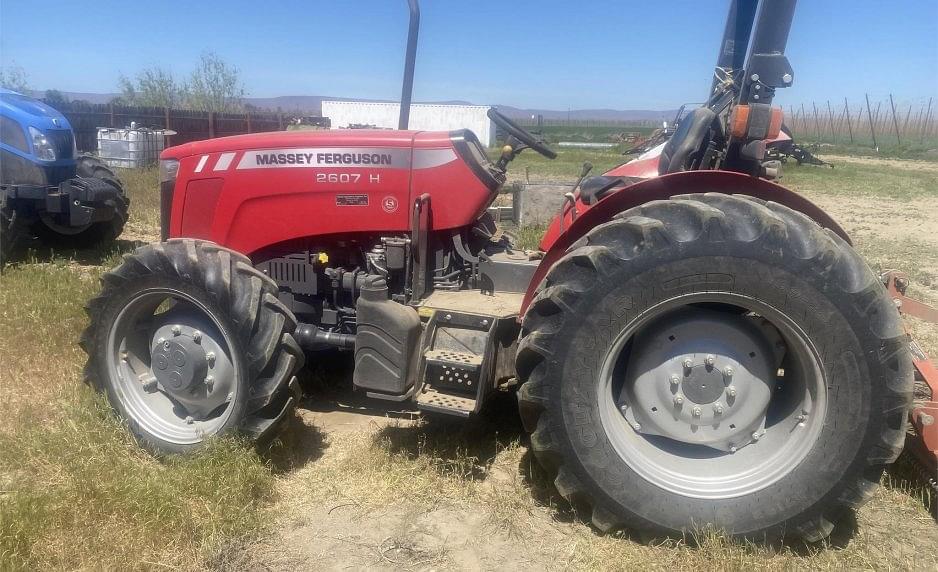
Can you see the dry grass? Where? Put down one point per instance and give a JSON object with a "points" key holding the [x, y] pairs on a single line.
{"points": [[75, 492]]}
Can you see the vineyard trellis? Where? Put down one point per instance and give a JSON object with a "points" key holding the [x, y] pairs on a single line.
{"points": [[883, 123]]}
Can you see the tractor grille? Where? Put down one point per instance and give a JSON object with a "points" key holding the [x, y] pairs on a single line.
{"points": [[63, 142]]}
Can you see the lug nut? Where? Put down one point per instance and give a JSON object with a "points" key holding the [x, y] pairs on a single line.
{"points": [[710, 360], [688, 363], [197, 336], [189, 420], [731, 391], [176, 330], [675, 380], [623, 408], [637, 426], [210, 357], [149, 385], [718, 409], [696, 411], [678, 400], [728, 371], [209, 381], [733, 449]]}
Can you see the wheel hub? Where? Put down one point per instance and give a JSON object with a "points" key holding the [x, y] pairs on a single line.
{"points": [[189, 364], [701, 377], [703, 385], [179, 364]]}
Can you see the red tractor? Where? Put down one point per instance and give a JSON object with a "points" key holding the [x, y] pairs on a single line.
{"points": [[696, 347]]}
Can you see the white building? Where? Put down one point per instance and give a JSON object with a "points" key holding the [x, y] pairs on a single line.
{"points": [[423, 116]]}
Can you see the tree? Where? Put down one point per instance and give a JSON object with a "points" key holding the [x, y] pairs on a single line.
{"points": [[214, 85], [14, 78], [55, 97], [152, 87]]}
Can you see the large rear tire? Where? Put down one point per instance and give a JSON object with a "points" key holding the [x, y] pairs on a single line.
{"points": [[714, 361], [188, 340]]}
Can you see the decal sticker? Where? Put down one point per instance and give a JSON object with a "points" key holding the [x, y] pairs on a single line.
{"points": [[389, 204], [368, 157], [201, 165], [224, 161], [351, 200]]}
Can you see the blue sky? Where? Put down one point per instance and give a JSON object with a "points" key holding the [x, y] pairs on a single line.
{"points": [[547, 54]]}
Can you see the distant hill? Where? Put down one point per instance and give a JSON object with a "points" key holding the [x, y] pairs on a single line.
{"points": [[312, 105]]}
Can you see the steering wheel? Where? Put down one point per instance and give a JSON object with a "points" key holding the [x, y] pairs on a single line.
{"points": [[521, 134]]}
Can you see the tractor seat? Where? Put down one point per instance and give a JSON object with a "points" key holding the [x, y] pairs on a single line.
{"points": [[688, 143], [594, 188]]}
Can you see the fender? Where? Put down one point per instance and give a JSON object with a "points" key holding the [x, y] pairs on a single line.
{"points": [[556, 242]]}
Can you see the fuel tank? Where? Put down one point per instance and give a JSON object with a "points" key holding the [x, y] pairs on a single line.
{"points": [[252, 191]]}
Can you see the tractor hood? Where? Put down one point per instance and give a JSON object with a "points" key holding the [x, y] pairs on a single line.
{"points": [[31, 111], [288, 139]]}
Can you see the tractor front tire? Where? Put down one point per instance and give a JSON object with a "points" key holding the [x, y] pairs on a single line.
{"points": [[188, 340], [11, 232], [96, 234], [714, 361]]}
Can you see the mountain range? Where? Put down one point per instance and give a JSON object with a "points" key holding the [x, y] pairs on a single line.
{"points": [[312, 105]]}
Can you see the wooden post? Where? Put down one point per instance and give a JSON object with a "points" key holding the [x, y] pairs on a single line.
{"points": [[925, 123], [804, 120], [905, 124], [830, 120], [895, 122], [870, 114], [211, 124], [791, 111], [817, 124], [166, 138], [849, 126]]}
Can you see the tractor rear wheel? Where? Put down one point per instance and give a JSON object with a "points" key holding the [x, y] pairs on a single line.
{"points": [[188, 340], [52, 233], [714, 361]]}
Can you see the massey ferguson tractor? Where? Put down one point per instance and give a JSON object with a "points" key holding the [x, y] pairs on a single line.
{"points": [[692, 345]]}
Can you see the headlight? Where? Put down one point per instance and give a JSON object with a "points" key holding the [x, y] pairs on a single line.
{"points": [[41, 145], [169, 168]]}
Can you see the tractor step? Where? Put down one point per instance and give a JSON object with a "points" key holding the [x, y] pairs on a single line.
{"points": [[455, 371], [432, 400]]}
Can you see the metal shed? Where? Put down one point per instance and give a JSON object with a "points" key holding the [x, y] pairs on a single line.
{"points": [[423, 116]]}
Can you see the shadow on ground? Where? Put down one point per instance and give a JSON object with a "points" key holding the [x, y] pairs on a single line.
{"points": [[33, 251]]}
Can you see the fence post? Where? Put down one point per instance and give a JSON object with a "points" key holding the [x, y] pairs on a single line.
{"points": [[830, 119], [211, 124], [925, 123], [905, 124], [804, 120], [849, 125], [870, 114], [817, 124], [895, 122]]}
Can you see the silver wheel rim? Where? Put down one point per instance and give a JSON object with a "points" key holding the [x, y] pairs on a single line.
{"points": [[707, 459], [144, 345]]}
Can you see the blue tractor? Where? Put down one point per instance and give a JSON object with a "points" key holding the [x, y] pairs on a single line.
{"points": [[48, 190]]}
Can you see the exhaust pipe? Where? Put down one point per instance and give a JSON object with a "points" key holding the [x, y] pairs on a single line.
{"points": [[409, 61]]}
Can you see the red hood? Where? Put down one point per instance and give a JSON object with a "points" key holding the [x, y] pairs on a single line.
{"points": [[301, 138]]}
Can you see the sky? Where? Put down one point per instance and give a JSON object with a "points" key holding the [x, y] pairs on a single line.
{"points": [[538, 54]]}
